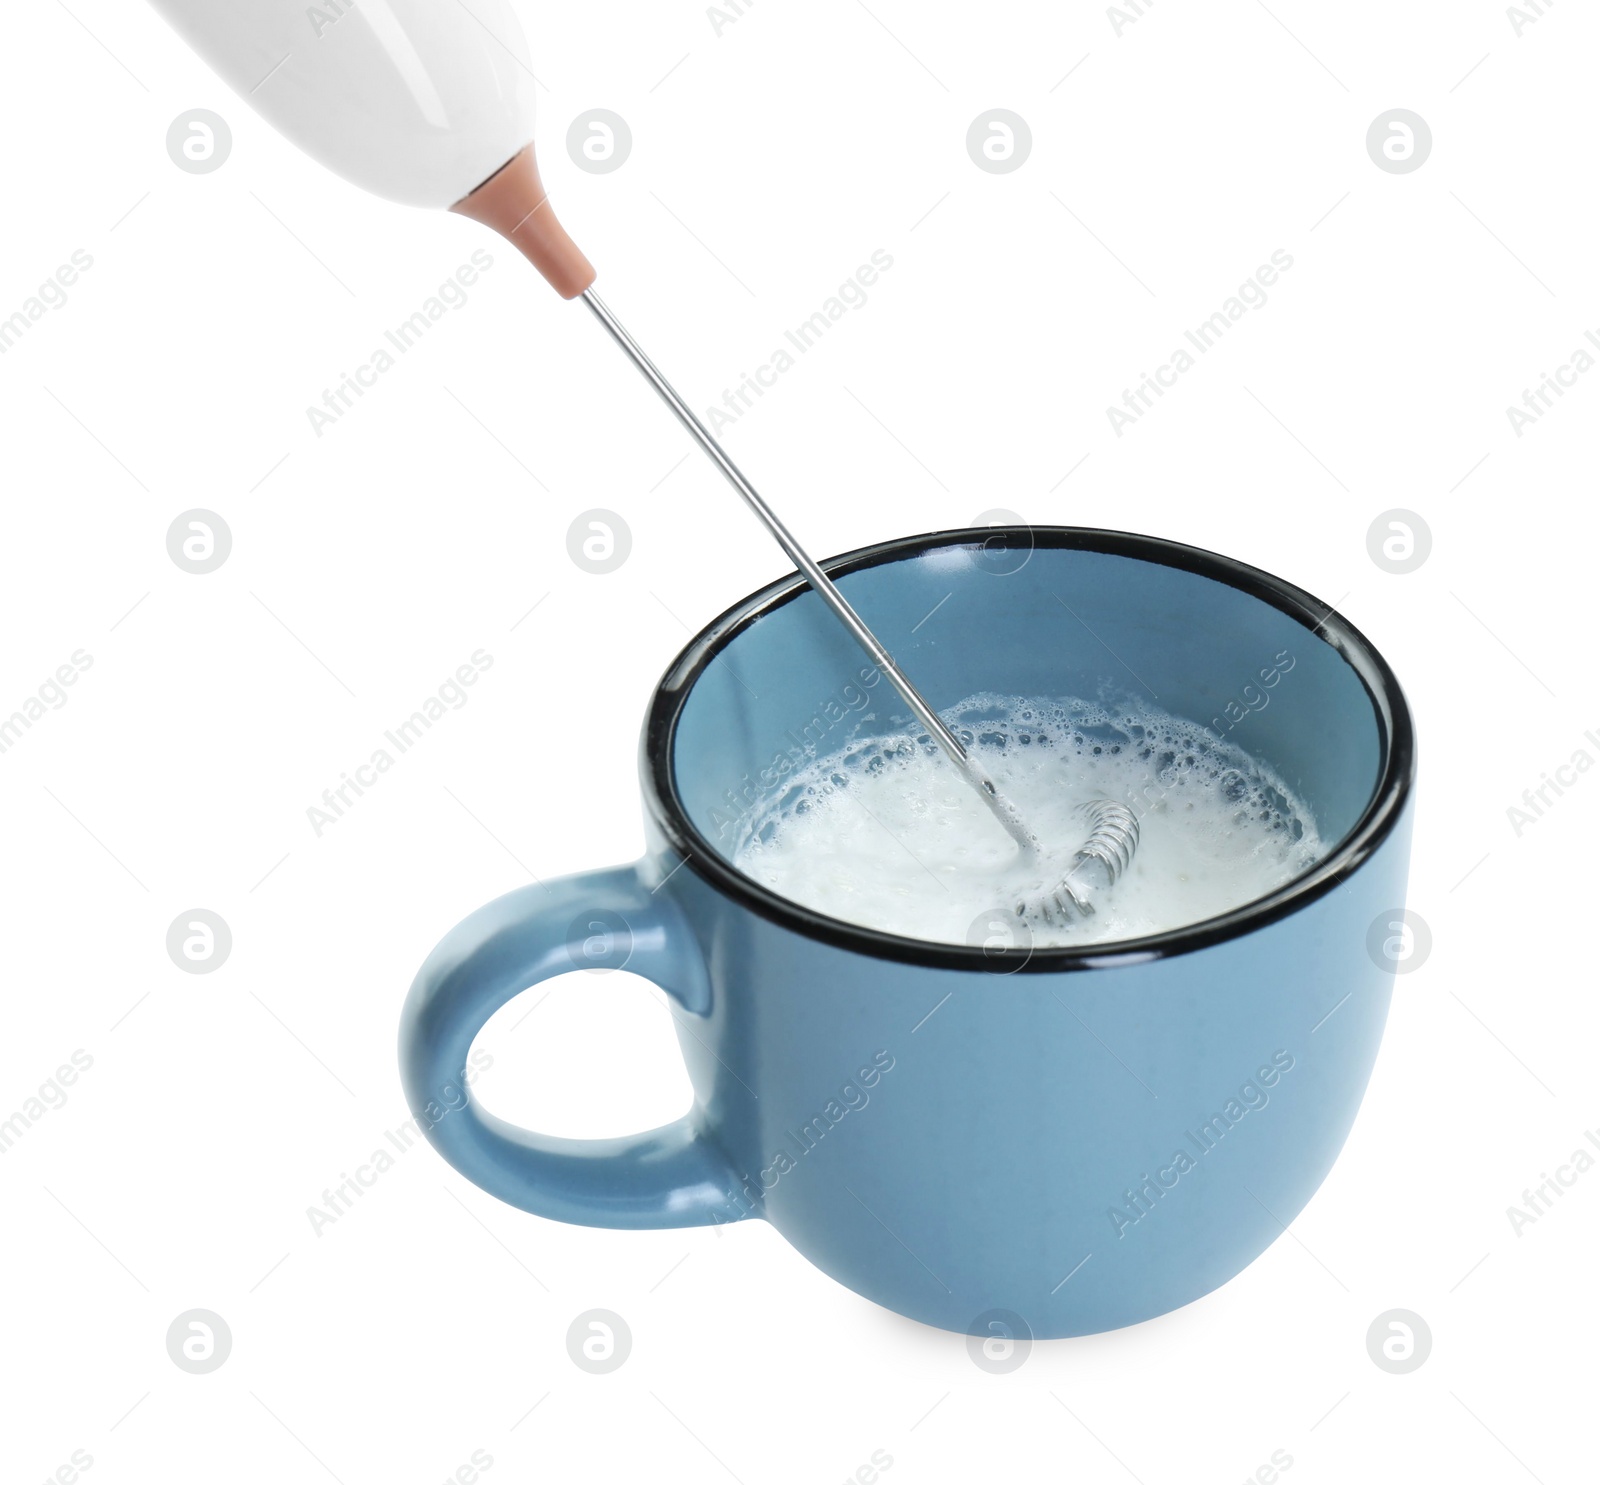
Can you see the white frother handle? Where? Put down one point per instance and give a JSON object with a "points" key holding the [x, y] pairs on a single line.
{"points": [[426, 102], [420, 101]]}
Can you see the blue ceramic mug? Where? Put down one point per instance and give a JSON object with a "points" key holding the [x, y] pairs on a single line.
{"points": [[1070, 1140]]}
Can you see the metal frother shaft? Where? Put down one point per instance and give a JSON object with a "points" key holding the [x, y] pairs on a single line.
{"points": [[352, 103], [1004, 811]]}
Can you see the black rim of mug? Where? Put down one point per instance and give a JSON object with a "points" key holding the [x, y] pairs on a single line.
{"points": [[1397, 744]]}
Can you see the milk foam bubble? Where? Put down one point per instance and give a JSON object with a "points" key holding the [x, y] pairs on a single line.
{"points": [[884, 832]]}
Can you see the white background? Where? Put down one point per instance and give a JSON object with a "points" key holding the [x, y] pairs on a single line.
{"points": [[768, 163]]}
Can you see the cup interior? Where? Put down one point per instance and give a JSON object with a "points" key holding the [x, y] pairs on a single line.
{"points": [[1039, 612]]}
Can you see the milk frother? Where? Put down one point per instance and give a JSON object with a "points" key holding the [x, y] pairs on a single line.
{"points": [[431, 103]]}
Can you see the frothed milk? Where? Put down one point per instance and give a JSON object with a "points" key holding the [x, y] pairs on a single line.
{"points": [[884, 833]]}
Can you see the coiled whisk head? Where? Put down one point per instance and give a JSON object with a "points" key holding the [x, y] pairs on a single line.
{"points": [[1094, 869]]}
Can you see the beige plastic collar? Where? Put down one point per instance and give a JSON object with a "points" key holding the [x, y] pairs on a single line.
{"points": [[514, 203]]}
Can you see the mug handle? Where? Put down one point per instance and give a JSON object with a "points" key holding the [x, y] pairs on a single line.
{"points": [[674, 1176]]}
